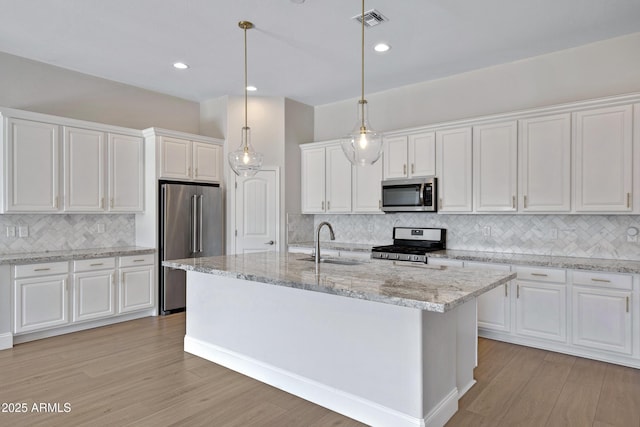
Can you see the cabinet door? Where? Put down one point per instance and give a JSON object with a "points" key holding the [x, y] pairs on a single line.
{"points": [[541, 310], [395, 157], [207, 162], [453, 149], [84, 170], [93, 295], [367, 190], [603, 159], [602, 319], [136, 289], [338, 180], [313, 180], [494, 308], [545, 164], [32, 167], [175, 158], [422, 154], [495, 160], [126, 173], [40, 303]]}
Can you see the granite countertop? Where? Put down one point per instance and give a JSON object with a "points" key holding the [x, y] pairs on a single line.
{"points": [[421, 286], [67, 255], [533, 260]]}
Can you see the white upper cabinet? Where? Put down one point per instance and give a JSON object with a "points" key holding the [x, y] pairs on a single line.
{"points": [[603, 159], [367, 188], [126, 173], [84, 170], [31, 166], [338, 181], [186, 159], [545, 164], [453, 167], [410, 156], [495, 160], [313, 180]]}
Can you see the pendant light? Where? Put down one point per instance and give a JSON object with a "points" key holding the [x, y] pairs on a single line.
{"points": [[363, 146], [245, 161]]}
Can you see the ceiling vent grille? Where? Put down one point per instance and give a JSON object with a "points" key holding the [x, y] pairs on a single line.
{"points": [[371, 18]]}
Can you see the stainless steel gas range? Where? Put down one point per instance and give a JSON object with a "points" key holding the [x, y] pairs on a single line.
{"points": [[411, 244]]}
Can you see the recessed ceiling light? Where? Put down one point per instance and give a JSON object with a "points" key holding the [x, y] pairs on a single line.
{"points": [[252, 88], [180, 65], [381, 47]]}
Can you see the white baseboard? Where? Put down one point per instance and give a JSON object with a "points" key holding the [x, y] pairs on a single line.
{"points": [[339, 401], [6, 341], [466, 388]]}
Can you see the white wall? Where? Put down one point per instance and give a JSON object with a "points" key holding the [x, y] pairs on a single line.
{"points": [[610, 67], [35, 86]]}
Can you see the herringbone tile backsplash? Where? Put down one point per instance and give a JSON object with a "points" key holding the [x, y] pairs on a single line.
{"points": [[598, 236], [65, 232]]}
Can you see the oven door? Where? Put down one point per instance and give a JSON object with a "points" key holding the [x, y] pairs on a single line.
{"points": [[410, 195]]}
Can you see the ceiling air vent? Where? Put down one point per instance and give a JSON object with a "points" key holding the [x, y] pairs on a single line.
{"points": [[371, 18]]}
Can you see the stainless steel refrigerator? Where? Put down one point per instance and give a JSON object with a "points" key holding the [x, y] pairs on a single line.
{"points": [[191, 226]]}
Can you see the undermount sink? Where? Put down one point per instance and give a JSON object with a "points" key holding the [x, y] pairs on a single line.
{"points": [[333, 261]]}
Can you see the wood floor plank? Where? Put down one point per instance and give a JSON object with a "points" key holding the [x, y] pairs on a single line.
{"points": [[619, 402]]}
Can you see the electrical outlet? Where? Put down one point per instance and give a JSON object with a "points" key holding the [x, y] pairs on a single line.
{"points": [[486, 231], [11, 231], [100, 228], [23, 231], [553, 234]]}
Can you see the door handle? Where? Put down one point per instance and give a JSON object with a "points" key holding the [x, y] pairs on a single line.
{"points": [[200, 198], [270, 242], [194, 223]]}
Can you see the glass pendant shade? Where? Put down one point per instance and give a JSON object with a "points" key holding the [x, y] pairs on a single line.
{"points": [[245, 161], [363, 146]]}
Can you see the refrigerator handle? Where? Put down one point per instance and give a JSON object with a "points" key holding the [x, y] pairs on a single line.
{"points": [[200, 197], [194, 224]]}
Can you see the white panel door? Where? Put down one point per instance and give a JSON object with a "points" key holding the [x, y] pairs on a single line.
{"points": [[207, 162], [84, 170], [494, 307], [495, 165], [541, 310], [136, 290], [93, 295], [40, 303], [422, 154], [544, 145], [175, 158], [126, 173], [602, 319], [367, 188], [32, 162], [395, 157], [454, 170], [257, 213], [603, 159], [313, 180], [338, 180]]}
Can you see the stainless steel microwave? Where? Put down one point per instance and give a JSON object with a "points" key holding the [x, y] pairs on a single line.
{"points": [[410, 195]]}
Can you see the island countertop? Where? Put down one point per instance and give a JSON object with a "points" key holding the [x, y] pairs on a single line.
{"points": [[420, 286]]}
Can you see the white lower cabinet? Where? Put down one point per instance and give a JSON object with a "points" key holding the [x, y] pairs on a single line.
{"points": [[494, 308], [51, 295], [602, 311], [40, 296], [541, 310], [137, 286], [93, 289]]}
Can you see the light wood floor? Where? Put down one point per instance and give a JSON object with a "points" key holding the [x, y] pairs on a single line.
{"points": [[136, 374]]}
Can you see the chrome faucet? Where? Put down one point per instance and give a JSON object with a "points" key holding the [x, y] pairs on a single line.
{"points": [[333, 237]]}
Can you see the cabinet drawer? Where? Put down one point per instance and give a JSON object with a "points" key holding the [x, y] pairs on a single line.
{"points": [[44, 269], [134, 260], [541, 274], [94, 264], [607, 280]]}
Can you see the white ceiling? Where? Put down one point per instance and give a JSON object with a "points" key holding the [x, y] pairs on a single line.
{"points": [[308, 52]]}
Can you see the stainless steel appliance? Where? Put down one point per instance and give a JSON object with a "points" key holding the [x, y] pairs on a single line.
{"points": [[191, 226], [412, 244], [410, 195]]}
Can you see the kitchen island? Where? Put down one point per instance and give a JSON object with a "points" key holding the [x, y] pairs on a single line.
{"points": [[386, 344]]}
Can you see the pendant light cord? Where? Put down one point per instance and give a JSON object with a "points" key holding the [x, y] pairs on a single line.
{"points": [[245, 76], [362, 100]]}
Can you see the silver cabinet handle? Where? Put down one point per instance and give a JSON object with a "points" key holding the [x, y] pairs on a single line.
{"points": [[323, 205], [96, 264], [413, 168], [525, 201], [628, 200], [513, 202], [270, 242], [593, 279], [41, 269], [138, 260], [506, 292], [404, 169], [539, 274], [328, 205]]}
